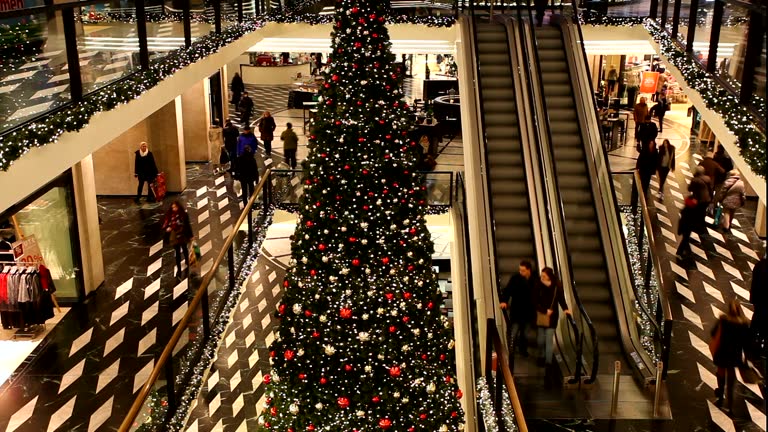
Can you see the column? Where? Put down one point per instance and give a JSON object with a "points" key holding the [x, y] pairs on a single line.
{"points": [[714, 36], [691, 25], [195, 108], [163, 132], [91, 258], [760, 219], [225, 94]]}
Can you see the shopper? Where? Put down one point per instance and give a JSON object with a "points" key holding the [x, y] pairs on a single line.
{"points": [[246, 139], [215, 141], [638, 115], [541, 7], [176, 224], [661, 85], [732, 197], [757, 296], [612, 77], [267, 128], [729, 340], [246, 110], [647, 132], [685, 226], [548, 295], [145, 170], [290, 144], [693, 214], [666, 164], [713, 171], [724, 161], [647, 164], [660, 110], [517, 302], [231, 135], [237, 89], [247, 173]]}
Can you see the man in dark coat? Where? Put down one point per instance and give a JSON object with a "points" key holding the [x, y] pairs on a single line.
{"points": [[647, 132], [247, 173], [237, 89], [145, 170], [725, 163], [758, 297], [516, 300], [246, 109], [231, 134], [713, 171]]}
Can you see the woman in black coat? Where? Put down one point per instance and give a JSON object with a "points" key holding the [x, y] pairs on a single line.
{"points": [[237, 88], [145, 170], [729, 344], [548, 294], [647, 163]]}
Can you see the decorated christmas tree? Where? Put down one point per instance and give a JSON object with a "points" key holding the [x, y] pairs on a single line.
{"points": [[362, 344]]}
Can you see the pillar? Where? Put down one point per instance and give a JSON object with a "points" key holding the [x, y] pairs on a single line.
{"points": [[760, 220], [91, 258], [114, 162], [195, 107], [225, 89]]}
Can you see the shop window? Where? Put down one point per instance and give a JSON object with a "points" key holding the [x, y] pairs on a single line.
{"points": [[732, 44]]}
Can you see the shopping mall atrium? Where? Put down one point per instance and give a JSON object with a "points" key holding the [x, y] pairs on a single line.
{"points": [[383, 215]]}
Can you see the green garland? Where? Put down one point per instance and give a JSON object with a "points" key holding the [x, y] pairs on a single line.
{"points": [[75, 116], [738, 119]]}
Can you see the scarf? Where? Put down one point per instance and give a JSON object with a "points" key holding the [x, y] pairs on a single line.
{"points": [[143, 153]]}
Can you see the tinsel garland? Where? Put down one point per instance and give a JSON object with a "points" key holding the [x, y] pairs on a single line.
{"points": [[196, 370], [316, 19], [737, 118], [591, 17], [152, 17], [487, 409], [638, 256], [75, 116]]}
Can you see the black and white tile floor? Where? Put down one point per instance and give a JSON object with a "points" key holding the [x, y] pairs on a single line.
{"points": [[719, 269], [79, 378]]}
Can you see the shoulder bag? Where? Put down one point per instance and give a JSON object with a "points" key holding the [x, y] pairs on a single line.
{"points": [[543, 319], [714, 343]]}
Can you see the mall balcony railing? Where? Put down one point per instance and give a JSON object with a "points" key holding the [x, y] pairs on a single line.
{"points": [[172, 380], [643, 237]]}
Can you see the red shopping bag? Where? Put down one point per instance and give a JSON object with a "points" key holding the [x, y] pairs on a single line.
{"points": [[159, 187]]}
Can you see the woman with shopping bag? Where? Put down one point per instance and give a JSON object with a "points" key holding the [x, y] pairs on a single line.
{"points": [[179, 229], [548, 294]]}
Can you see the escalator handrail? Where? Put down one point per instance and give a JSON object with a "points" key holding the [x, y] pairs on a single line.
{"points": [[588, 116], [559, 211]]}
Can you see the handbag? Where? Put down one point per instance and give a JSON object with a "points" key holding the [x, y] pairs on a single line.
{"points": [[714, 343], [224, 157], [543, 319], [718, 214]]}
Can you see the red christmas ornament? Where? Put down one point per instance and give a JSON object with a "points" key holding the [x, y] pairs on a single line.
{"points": [[359, 103], [281, 309], [459, 394], [394, 371], [424, 357], [346, 167], [361, 139], [335, 77], [406, 295], [392, 329], [389, 296], [410, 267], [323, 380], [354, 9], [358, 44], [385, 424], [365, 171], [448, 379], [372, 16], [313, 272], [423, 416], [267, 425], [345, 313], [272, 354], [376, 399], [412, 231], [321, 247], [352, 239], [385, 260], [267, 379], [337, 122], [411, 429], [365, 207], [311, 427], [309, 224], [348, 368], [355, 262], [406, 319], [326, 85], [375, 35], [343, 402], [285, 283], [308, 313], [302, 376], [273, 411], [381, 122], [315, 334], [454, 414], [388, 136], [430, 305], [442, 357], [289, 354]]}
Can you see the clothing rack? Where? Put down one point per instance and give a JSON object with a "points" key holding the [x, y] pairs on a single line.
{"points": [[22, 264]]}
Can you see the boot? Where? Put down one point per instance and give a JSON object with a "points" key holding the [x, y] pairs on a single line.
{"points": [[720, 390]]}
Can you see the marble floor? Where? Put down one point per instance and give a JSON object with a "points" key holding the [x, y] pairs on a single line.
{"points": [[720, 268]]}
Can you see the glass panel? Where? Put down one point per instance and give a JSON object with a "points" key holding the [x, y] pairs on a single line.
{"points": [[287, 187], [33, 78], [187, 352], [107, 43], [732, 46], [219, 286], [202, 19], [703, 31], [228, 13], [438, 187], [51, 219], [156, 404], [760, 72]]}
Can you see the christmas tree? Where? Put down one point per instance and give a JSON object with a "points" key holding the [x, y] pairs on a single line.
{"points": [[362, 345]]}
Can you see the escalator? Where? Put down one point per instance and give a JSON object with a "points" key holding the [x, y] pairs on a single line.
{"points": [[582, 226], [507, 185]]}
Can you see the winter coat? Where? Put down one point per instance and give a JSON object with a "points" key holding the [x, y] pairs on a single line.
{"points": [[290, 139], [181, 229], [246, 105], [731, 194], [237, 84], [247, 169], [712, 170], [759, 286], [725, 163], [663, 151], [544, 295], [734, 336], [700, 190], [145, 167], [647, 161], [647, 132], [267, 128], [230, 137], [518, 295], [246, 139], [640, 111]]}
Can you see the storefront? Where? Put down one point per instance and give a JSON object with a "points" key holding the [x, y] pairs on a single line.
{"points": [[42, 229]]}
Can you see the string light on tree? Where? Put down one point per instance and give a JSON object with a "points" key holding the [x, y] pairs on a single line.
{"points": [[360, 294]]}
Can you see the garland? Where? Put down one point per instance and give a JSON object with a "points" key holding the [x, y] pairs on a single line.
{"points": [[315, 19], [737, 118], [591, 17]]}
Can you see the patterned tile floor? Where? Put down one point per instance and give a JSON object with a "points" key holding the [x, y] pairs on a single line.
{"points": [[720, 268]]}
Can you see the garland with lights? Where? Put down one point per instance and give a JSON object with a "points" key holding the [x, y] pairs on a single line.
{"points": [[737, 118], [316, 19], [591, 17], [362, 343], [75, 116], [485, 401]]}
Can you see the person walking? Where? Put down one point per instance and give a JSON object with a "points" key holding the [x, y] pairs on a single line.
{"points": [[238, 88], [729, 340], [290, 144], [647, 132], [647, 164], [694, 212], [267, 128], [548, 295], [231, 134], [516, 301], [660, 110], [145, 170], [713, 171], [639, 113], [611, 77], [176, 224], [246, 139], [685, 226], [724, 161], [757, 296], [247, 173], [215, 142], [732, 197], [246, 110], [666, 164]]}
